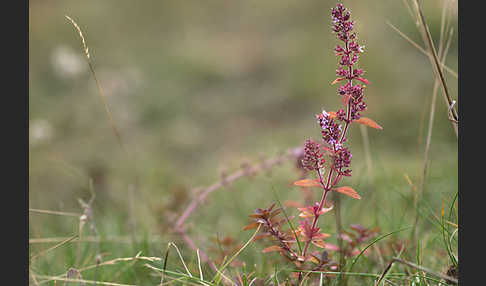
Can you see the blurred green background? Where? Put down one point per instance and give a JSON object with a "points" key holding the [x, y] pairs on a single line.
{"points": [[199, 87]]}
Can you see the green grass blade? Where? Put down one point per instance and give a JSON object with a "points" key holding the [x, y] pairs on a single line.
{"points": [[288, 220], [217, 278], [373, 242]]}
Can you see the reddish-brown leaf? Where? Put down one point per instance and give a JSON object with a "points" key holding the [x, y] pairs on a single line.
{"points": [[307, 183], [337, 80], [368, 122], [321, 235], [292, 204], [332, 114], [260, 236], [312, 259], [331, 247], [306, 212], [278, 222], [251, 226], [348, 191], [256, 216], [309, 211], [271, 207], [275, 212], [319, 243], [363, 80], [346, 237], [272, 248], [227, 241], [325, 210]]}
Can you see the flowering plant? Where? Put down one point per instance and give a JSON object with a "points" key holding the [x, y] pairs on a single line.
{"points": [[329, 158]]}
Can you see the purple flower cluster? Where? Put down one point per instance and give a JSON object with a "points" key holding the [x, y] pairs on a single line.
{"points": [[342, 160], [355, 94], [333, 135], [342, 26], [349, 55], [330, 130], [313, 158]]}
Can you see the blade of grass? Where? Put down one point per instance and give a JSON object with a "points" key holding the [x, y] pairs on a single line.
{"points": [[81, 281], [390, 266], [444, 237], [410, 264], [164, 266], [275, 278], [199, 265], [217, 278], [419, 261], [452, 205], [180, 274], [373, 242], [451, 71], [449, 223], [32, 276], [53, 247], [426, 211], [452, 237], [109, 262], [245, 276], [224, 276], [180, 257], [402, 276], [287, 218]]}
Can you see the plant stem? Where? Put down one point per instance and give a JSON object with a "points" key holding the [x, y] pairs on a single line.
{"points": [[321, 204], [435, 62], [327, 187], [337, 202]]}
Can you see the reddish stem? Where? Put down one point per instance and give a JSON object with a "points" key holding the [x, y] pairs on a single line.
{"points": [[321, 204], [327, 187], [348, 110]]}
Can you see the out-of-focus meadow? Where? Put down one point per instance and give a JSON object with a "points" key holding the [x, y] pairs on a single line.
{"points": [[196, 88]]}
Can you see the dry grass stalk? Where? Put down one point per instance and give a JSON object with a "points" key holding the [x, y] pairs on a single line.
{"points": [[418, 267], [100, 91], [451, 71], [54, 212], [96, 239], [110, 117], [62, 277], [437, 68], [53, 247], [92, 282], [443, 55]]}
